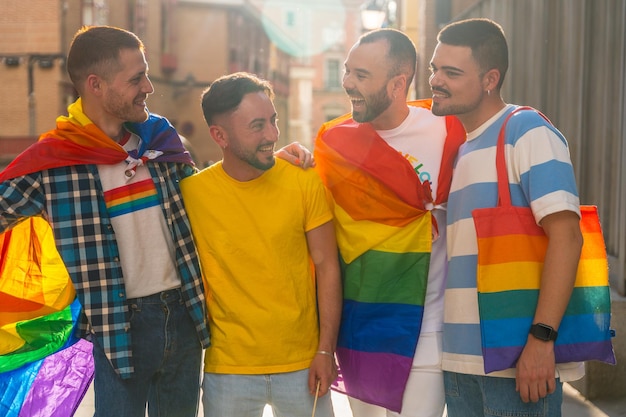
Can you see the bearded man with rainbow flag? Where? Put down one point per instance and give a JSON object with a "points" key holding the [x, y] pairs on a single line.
{"points": [[106, 183], [388, 166]]}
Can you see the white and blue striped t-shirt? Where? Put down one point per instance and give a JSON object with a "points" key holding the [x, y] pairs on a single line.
{"points": [[540, 175]]}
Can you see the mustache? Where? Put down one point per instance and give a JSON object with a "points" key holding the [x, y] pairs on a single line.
{"points": [[439, 90], [353, 93]]}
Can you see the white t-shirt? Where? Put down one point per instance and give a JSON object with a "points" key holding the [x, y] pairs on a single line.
{"points": [[144, 240]]}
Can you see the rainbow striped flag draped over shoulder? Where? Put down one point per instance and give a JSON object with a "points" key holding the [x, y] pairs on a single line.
{"points": [[77, 140], [44, 368], [384, 235]]}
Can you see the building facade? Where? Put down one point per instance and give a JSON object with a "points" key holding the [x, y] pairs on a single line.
{"points": [[32, 72], [189, 43]]}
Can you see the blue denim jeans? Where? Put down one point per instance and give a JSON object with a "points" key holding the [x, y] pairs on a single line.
{"points": [[482, 396], [227, 395], [167, 357]]}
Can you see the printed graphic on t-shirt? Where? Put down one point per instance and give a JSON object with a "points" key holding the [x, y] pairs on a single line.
{"points": [[420, 140], [131, 197], [417, 166]]}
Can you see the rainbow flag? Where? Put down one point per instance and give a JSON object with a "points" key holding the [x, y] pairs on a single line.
{"points": [[44, 369], [384, 235], [35, 295], [513, 246], [77, 140], [49, 387], [38, 316]]}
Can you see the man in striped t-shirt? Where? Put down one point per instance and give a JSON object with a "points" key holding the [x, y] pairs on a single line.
{"points": [[467, 70]]}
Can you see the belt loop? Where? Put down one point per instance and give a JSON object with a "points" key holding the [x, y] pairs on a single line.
{"points": [[171, 295]]}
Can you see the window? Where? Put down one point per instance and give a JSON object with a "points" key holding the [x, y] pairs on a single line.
{"points": [[333, 74], [94, 12]]}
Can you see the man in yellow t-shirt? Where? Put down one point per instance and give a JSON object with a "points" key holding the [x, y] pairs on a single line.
{"points": [[264, 232]]}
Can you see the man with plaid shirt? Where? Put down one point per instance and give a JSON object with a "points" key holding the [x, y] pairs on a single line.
{"points": [[106, 179]]}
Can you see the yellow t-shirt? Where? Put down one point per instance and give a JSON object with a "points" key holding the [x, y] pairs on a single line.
{"points": [[257, 272]]}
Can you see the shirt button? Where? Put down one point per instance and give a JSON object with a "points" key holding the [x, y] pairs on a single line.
{"points": [[116, 259], [121, 295]]}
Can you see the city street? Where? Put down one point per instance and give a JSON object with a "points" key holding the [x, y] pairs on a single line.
{"points": [[574, 405]]}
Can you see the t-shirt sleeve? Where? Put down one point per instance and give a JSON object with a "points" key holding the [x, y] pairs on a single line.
{"points": [[543, 166], [318, 202]]}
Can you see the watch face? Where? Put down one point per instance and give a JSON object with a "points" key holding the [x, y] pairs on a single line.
{"points": [[543, 332]]}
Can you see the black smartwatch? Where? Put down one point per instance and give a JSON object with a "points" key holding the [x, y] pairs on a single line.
{"points": [[543, 332]]}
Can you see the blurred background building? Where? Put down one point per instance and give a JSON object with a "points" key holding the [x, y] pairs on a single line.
{"points": [[568, 59]]}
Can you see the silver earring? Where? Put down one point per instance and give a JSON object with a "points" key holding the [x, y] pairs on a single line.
{"points": [[488, 92]]}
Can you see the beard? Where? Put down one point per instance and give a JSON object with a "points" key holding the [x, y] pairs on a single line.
{"points": [[375, 105], [119, 107], [439, 110], [251, 158], [258, 164]]}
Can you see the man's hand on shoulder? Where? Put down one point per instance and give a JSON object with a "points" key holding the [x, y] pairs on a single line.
{"points": [[296, 154]]}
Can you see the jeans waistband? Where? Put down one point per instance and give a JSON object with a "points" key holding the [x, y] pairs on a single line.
{"points": [[167, 296]]}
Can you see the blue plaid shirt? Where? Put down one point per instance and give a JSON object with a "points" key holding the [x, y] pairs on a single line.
{"points": [[72, 200]]}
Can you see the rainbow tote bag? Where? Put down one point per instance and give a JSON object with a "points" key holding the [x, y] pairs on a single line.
{"points": [[511, 251]]}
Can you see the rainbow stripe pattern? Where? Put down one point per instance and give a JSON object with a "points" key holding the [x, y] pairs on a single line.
{"points": [[77, 140], [52, 386], [384, 236], [132, 197], [384, 244], [40, 360], [511, 250]]}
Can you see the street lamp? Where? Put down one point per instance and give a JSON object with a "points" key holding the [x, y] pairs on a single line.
{"points": [[376, 14]]}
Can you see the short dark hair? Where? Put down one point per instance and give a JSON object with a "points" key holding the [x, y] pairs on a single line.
{"points": [[486, 40], [401, 54], [225, 93], [96, 50]]}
